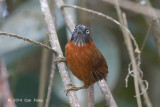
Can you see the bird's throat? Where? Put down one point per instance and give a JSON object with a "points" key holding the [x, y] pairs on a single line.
{"points": [[79, 42]]}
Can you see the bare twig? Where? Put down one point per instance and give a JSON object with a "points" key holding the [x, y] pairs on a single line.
{"points": [[50, 82], [144, 89], [156, 23], [43, 74], [91, 96], [66, 15], [147, 35], [131, 53], [140, 81], [146, 10], [144, 92], [55, 45], [130, 73], [156, 32], [108, 96], [133, 61], [28, 40], [135, 7]]}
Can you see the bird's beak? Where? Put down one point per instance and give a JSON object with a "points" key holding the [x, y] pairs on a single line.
{"points": [[79, 31]]}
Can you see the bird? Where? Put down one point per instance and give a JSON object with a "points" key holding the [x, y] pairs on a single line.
{"points": [[84, 59]]}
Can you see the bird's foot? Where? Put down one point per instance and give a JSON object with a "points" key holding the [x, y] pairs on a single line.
{"points": [[71, 85], [73, 88], [61, 59]]}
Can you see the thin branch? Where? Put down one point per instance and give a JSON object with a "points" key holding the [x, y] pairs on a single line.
{"points": [[43, 74], [156, 33], [134, 65], [145, 94], [107, 94], [52, 73], [140, 81], [156, 24], [55, 45], [91, 96], [147, 35], [135, 7], [50, 82], [130, 73], [140, 9], [131, 53], [146, 10], [66, 15], [28, 40], [144, 89]]}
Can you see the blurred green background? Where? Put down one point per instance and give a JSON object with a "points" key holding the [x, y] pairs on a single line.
{"points": [[23, 60]]}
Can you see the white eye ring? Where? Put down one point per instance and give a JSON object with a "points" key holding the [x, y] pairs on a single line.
{"points": [[87, 32]]}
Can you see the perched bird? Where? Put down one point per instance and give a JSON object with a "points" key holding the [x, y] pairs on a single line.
{"points": [[84, 59]]}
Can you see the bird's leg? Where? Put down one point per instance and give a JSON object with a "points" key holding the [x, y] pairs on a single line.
{"points": [[74, 88], [60, 59]]}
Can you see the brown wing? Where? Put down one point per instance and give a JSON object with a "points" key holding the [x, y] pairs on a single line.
{"points": [[98, 65]]}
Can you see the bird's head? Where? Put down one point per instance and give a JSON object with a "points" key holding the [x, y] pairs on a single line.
{"points": [[81, 35]]}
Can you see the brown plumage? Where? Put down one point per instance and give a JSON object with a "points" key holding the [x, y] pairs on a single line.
{"points": [[84, 59]]}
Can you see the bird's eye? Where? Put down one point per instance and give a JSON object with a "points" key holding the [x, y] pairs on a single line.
{"points": [[87, 32]]}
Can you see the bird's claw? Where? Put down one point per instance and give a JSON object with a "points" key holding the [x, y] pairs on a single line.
{"points": [[71, 85], [60, 59], [73, 88]]}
